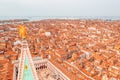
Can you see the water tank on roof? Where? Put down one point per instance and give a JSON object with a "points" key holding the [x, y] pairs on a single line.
{"points": [[47, 33]]}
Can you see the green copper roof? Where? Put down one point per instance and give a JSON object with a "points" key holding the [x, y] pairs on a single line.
{"points": [[27, 72]]}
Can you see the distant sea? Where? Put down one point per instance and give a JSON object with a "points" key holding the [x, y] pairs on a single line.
{"points": [[33, 18]]}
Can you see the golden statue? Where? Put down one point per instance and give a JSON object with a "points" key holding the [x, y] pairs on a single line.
{"points": [[22, 31]]}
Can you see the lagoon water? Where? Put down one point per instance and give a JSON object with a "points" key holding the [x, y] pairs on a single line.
{"points": [[32, 18]]}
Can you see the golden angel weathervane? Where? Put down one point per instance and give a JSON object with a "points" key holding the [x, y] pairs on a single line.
{"points": [[22, 31]]}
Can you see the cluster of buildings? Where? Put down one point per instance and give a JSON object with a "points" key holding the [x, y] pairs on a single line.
{"points": [[80, 49], [8, 35]]}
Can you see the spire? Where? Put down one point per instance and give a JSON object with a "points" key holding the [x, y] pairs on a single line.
{"points": [[27, 72], [26, 69]]}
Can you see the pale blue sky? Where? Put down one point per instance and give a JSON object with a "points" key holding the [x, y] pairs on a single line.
{"points": [[59, 7]]}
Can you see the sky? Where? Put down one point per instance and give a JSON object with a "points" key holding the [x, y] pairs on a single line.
{"points": [[59, 7]]}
